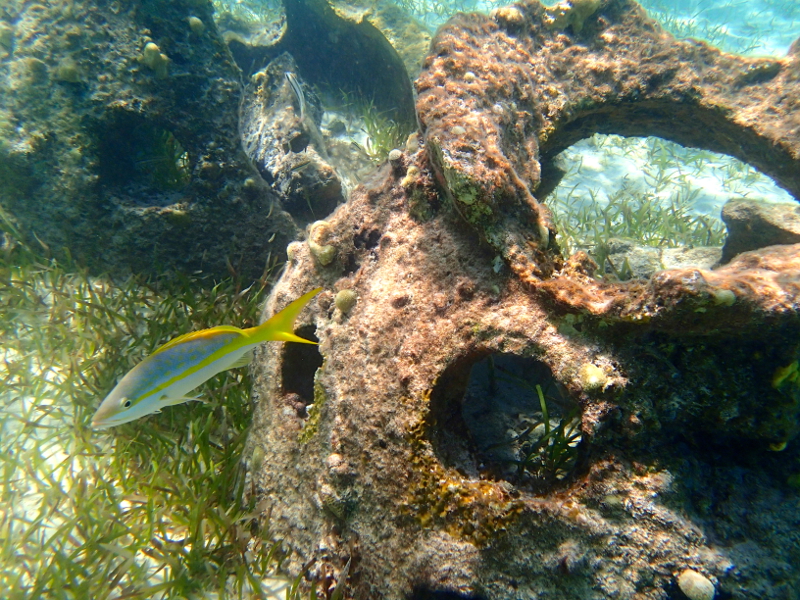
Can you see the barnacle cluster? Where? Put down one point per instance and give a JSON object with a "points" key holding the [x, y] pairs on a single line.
{"points": [[155, 60], [318, 234]]}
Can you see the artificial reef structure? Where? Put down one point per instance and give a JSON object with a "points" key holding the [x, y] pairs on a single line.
{"points": [[122, 129], [119, 128], [485, 418]]}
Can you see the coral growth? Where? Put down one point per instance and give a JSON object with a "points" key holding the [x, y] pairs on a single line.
{"points": [[425, 469], [495, 104]]}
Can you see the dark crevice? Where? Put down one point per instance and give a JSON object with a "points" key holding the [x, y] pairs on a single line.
{"points": [[506, 417], [367, 239], [351, 264], [422, 593], [140, 155], [300, 363]]}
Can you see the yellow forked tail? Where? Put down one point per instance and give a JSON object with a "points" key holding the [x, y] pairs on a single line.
{"points": [[279, 327]]}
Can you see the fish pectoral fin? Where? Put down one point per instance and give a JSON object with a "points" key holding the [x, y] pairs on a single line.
{"points": [[181, 400], [244, 360]]}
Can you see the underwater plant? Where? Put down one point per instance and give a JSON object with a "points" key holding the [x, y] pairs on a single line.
{"points": [[697, 24], [546, 452], [435, 12], [134, 152], [381, 134], [250, 14], [158, 509], [639, 217], [659, 208], [163, 163]]}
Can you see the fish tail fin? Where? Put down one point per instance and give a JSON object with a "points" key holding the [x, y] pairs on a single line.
{"points": [[280, 325]]}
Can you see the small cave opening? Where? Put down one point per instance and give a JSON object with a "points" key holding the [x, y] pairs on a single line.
{"points": [[506, 417], [299, 363], [638, 205], [138, 154]]}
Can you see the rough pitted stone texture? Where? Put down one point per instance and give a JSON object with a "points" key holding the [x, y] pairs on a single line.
{"points": [[752, 224], [90, 169], [285, 143], [371, 455], [704, 257], [629, 260], [378, 448], [499, 97]]}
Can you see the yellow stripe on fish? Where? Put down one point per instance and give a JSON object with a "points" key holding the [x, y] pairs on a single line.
{"points": [[166, 376]]}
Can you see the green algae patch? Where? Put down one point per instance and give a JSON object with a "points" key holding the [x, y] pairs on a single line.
{"points": [[786, 375], [314, 411], [466, 195], [439, 497]]}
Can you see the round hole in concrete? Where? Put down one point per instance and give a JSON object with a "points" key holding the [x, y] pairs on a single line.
{"points": [[424, 593], [505, 416]]}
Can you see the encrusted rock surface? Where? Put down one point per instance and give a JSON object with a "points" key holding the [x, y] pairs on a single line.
{"points": [[500, 96], [752, 224], [377, 446], [628, 260], [127, 153], [284, 141], [370, 454]]}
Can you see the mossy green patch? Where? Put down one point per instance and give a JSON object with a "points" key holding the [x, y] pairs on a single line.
{"points": [[439, 497], [314, 411], [418, 206], [466, 195]]}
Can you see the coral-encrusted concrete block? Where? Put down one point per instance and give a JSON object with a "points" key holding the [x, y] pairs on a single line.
{"points": [[413, 441], [499, 97]]}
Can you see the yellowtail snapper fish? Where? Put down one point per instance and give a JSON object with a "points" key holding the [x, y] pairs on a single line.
{"points": [[166, 377]]}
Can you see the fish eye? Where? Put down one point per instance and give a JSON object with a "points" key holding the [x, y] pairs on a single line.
{"points": [[126, 404]]}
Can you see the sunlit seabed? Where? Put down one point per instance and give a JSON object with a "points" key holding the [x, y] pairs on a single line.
{"points": [[649, 191], [80, 515], [72, 523], [598, 167]]}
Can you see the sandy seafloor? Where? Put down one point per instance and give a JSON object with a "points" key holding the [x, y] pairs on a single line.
{"points": [[602, 165]]}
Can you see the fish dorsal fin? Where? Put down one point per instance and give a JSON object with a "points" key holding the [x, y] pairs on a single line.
{"points": [[244, 360], [197, 335]]}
